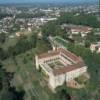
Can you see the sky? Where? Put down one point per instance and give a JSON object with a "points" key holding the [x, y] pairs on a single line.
{"points": [[29, 1]]}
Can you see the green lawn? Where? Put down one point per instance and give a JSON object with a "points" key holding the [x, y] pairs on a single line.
{"points": [[60, 40]]}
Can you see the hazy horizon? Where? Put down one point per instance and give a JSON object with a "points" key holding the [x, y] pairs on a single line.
{"points": [[47, 1]]}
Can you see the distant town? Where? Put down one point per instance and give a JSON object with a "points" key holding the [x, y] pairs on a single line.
{"points": [[16, 20]]}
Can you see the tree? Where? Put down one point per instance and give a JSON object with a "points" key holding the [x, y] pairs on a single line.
{"points": [[82, 19], [2, 37], [23, 45], [6, 91], [2, 54], [62, 93], [5, 95], [87, 43], [49, 29]]}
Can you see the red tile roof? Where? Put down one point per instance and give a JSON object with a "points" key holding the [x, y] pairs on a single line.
{"points": [[81, 29], [68, 68], [57, 52], [49, 54], [70, 55], [79, 61]]}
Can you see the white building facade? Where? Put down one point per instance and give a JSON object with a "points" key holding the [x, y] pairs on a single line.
{"points": [[61, 66], [95, 47]]}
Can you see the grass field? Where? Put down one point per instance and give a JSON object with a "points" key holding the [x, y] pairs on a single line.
{"points": [[60, 40]]}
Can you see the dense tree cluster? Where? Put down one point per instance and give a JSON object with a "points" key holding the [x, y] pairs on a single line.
{"points": [[22, 45], [27, 15], [81, 19], [53, 27], [3, 15], [63, 95], [3, 54], [92, 60], [6, 91], [2, 37]]}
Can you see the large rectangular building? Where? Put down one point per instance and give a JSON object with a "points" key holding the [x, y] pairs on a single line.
{"points": [[60, 65]]}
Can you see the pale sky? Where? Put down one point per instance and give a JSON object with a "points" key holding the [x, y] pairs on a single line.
{"points": [[29, 1]]}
